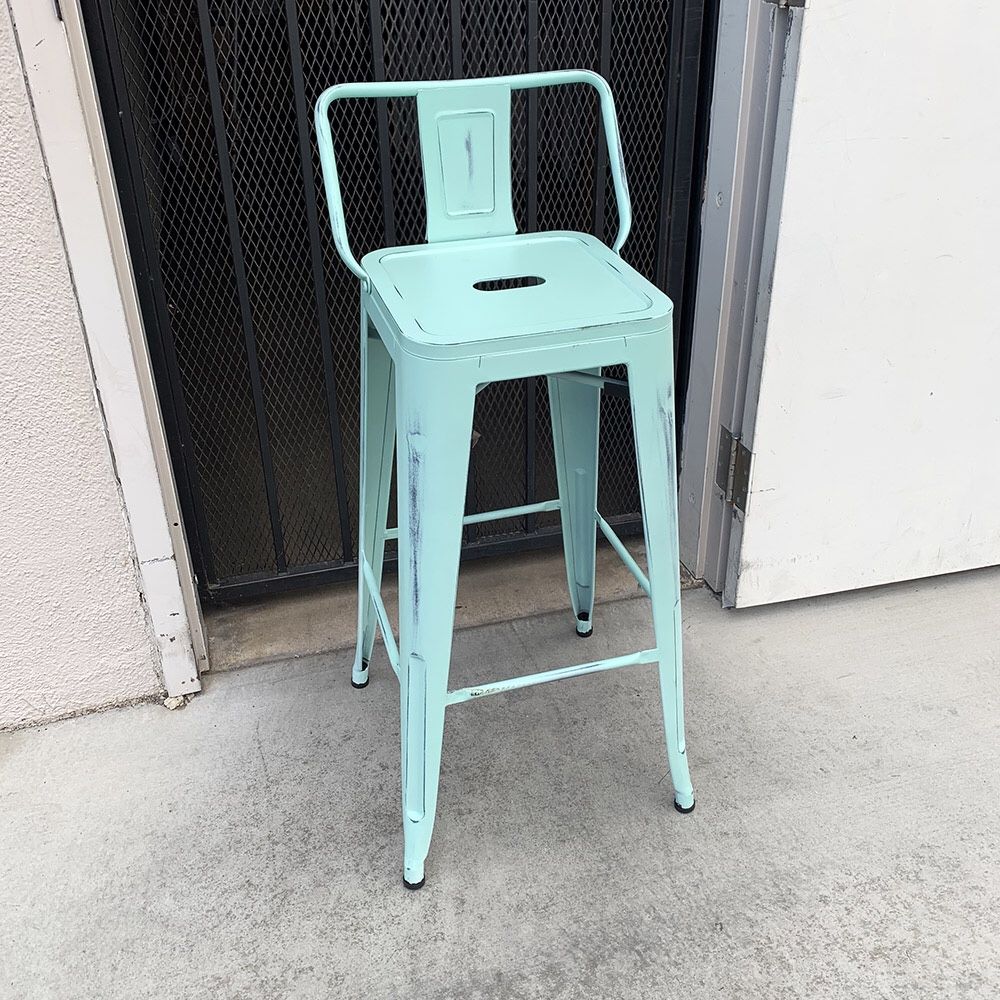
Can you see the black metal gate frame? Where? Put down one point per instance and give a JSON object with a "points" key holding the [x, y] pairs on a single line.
{"points": [[692, 25]]}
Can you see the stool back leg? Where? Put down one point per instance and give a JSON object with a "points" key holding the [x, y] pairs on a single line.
{"points": [[576, 417], [434, 409], [653, 422], [378, 436]]}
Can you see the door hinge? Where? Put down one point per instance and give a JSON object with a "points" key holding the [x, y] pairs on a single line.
{"points": [[732, 469], [787, 3]]}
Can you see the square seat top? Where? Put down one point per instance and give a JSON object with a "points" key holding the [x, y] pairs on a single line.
{"points": [[474, 294]]}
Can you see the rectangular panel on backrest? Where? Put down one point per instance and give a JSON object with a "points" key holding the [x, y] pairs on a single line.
{"points": [[465, 147]]}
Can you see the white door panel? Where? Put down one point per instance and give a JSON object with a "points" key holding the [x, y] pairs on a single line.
{"points": [[876, 428]]}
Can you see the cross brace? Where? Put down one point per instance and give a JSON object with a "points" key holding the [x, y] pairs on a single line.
{"points": [[546, 676]]}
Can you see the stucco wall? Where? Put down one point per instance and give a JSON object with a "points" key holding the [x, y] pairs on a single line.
{"points": [[73, 630]]}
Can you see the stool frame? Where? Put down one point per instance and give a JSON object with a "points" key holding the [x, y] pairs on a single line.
{"points": [[417, 400]]}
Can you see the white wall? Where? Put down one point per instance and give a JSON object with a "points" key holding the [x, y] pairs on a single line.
{"points": [[74, 633], [877, 426]]}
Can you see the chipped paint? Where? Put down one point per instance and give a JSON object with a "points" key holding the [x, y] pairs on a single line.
{"points": [[645, 656], [414, 465]]}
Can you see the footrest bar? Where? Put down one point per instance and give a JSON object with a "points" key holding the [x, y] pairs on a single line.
{"points": [[623, 553], [560, 674], [383, 619], [496, 515]]}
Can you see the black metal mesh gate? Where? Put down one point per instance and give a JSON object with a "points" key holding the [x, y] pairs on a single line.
{"points": [[251, 318]]}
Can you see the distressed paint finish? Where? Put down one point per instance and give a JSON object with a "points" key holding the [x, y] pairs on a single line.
{"points": [[438, 322], [465, 144], [653, 421], [547, 676], [434, 407], [525, 81]]}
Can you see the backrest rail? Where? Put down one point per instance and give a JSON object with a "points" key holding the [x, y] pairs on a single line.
{"points": [[411, 88]]}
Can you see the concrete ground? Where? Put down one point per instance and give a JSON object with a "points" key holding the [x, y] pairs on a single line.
{"points": [[846, 757]]}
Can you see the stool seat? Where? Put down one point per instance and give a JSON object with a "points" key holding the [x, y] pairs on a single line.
{"points": [[468, 296]]}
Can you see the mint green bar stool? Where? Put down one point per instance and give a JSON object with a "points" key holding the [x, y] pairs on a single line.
{"points": [[479, 303]]}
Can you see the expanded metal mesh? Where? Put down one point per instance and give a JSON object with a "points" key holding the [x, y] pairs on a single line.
{"points": [[257, 316]]}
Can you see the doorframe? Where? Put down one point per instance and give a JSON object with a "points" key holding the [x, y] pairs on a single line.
{"points": [[756, 68], [691, 30], [77, 158]]}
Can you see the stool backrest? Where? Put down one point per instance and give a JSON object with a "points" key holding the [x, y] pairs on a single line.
{"points": [[464, 128]]}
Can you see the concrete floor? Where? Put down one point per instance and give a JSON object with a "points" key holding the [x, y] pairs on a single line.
{"points": [[846, 756]]}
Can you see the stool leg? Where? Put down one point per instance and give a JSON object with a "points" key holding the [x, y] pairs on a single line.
{"points": [[378, 436], [653, 422], [576, 417], [433, 432]]}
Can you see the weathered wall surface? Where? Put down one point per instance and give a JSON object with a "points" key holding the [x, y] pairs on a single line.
{"points": [[73, 630]]}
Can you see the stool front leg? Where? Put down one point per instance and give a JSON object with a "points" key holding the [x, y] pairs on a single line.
{"points": [[434, 409], [651, 394]]}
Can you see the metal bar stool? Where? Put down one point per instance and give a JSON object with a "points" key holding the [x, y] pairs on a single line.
{"points": [[479, 303]]}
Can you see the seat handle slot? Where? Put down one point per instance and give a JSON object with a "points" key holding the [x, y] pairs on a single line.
{"points": [[502, 284]]}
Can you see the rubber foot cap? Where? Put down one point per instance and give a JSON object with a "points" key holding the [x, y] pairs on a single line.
{"points": [[413, 886], [357, 686], [682, 809], [585, 635]]}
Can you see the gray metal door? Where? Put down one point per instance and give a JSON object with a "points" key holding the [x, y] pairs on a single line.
{"points": [[252, 321]]}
